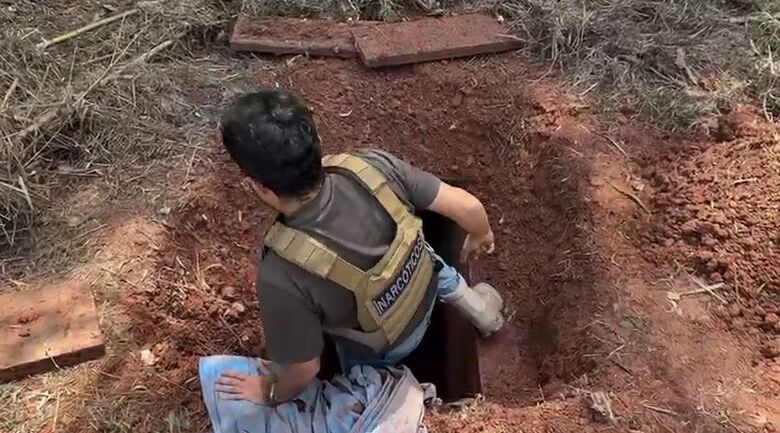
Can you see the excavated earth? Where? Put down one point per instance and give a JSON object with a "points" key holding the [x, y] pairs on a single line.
{"points": [[595, 227]]}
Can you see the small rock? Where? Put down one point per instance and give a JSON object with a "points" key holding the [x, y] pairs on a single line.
{"points": [[25, 333], [771, 349], [690, 227], [165, 210], [716, 278], [771, 319], [148, 358], [229, 293], [734, 310], [238, 307], [704, 256], [759, 311]]}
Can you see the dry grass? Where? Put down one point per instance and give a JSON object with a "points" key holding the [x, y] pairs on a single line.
{"points": [[116, 102], [105, 105], [382, 10], [678, 62]]}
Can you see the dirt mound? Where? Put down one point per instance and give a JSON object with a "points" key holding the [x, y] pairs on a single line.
{"points": [[718, 211], [204, 294]]}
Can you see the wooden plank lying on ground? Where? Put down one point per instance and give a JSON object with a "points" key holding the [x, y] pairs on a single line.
{"points": [[47, 328], [276, 35], [432, 39]]}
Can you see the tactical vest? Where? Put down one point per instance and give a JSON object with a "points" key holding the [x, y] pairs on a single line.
{"points": [[390, 293]]}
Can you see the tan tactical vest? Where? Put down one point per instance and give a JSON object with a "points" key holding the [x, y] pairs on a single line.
{"points": [[389, 294]]}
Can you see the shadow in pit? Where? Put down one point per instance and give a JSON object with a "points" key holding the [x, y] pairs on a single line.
{"points": [[549, 272], [447, 356]]}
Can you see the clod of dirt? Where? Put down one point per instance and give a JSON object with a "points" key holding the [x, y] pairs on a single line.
{"points": [[735, 310], [229, 293], [771, 321], [771, 349], [716, 278], [29, 317], [738, 124]]}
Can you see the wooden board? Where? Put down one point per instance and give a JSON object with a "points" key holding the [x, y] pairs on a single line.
{"points": [[47, 328], [431, 39], [276, 35]]}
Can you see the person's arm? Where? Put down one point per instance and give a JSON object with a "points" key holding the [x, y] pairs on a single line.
{"points": [[469, 213], [293, 336], [425, 191], [269, 388], [294, 378]]}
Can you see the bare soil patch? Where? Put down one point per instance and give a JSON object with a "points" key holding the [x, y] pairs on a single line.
{"points": [[586, 294], [718, 211]]}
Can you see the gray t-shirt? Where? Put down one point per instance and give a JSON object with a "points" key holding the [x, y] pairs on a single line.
{"points": [[295, 305]]}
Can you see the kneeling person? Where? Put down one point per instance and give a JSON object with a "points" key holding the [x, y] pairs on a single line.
{"points": [[346, 256]]}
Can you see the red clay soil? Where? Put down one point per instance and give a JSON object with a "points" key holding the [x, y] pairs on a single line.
{"points": [[582, 297], [205, 284], [718, 212], [463, 121]]}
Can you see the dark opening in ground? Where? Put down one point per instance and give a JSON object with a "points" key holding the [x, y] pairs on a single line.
{"points": [[448, 356]]}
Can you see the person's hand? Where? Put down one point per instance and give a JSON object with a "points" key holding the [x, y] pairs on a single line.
{"points": [[236, 386], [484, 243]]}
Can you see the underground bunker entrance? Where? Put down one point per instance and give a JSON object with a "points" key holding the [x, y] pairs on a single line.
{"points": [[448, 355]]}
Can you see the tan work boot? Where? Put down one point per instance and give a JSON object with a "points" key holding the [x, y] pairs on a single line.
{"points": [[481, 305]]}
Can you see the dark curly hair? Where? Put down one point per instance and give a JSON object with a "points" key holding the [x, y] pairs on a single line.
{"points": [[271, 135]]}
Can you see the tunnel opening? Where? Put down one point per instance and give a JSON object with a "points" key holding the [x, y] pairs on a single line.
{"points": [[448, 354]]}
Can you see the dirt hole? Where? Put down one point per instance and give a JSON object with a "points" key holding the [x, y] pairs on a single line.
{"points": [[464, 121]]}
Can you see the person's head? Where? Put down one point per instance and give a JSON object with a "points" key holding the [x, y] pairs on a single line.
{"points": [[271, 135]]}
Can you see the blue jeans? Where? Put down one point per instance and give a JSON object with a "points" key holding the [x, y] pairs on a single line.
{"points": [[448, 281]]}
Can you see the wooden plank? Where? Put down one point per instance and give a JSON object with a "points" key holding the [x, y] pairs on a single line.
{"points": [[276, 35], [432, 39], [47, 328]]}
